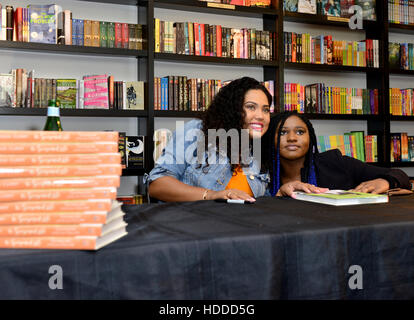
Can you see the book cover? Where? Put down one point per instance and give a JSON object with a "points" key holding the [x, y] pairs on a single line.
{"points": [[58, 159], [61, 182], [290, 5], [135, 151], [60, 171], [135, 95], [43, 23], [6, 90], [122, 148], [57, 148], [57, 194], [342, 197], [331, 8], [368, 7], [69, 243], [63, 230], [57, 136], [307, 6], [66, 92], [96, 95], [87, 205]]}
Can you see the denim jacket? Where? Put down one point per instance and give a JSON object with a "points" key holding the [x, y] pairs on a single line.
{"points": [[178, 160]]}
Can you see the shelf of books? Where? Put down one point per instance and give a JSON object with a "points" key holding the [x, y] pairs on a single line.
{"points": [[217, 7]]}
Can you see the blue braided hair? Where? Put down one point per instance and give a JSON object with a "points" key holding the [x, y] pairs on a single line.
{"points": [[274, 167]]}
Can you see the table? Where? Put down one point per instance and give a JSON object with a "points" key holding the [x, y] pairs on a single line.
{"points": [[273, 249]]}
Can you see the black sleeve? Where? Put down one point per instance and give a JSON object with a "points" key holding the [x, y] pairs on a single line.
{"points": [[361, 172]]}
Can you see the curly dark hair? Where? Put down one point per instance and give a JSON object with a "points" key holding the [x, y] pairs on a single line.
{"points": [[270, 156], [226, 110]]}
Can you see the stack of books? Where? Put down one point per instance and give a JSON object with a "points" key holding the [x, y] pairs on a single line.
{"points": [[58, 190]]}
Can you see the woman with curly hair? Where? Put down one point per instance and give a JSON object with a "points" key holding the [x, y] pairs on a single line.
{"points": [[292, 158], [192, 167]]}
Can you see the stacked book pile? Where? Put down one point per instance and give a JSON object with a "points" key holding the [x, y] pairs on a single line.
{"points": [[58, 190]]}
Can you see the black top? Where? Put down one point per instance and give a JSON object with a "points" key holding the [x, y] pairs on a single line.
{"points": [[335, 171]]}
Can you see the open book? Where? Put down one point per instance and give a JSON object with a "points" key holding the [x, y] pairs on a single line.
{"points": [[342, 197]]}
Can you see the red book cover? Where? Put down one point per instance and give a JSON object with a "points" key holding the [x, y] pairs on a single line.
{"points": [[196, 39], [124, 35], [118, 35], [203, 40], [111, 91], [18, 20], [218, 33]]}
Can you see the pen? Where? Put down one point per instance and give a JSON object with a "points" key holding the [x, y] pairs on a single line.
{"points": [[234, 201]]}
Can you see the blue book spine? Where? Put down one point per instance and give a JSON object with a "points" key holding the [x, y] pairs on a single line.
{"points": [[164, 94], [74, 32], [80, 32]]}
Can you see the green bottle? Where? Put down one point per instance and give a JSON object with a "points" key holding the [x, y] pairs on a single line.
{"points": [[53, 118]]}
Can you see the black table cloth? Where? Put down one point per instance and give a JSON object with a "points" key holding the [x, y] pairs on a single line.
{"points": [[273, 249]]}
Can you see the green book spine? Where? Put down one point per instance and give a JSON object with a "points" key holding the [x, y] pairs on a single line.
{"points": [[103, 26], [111, 34]]}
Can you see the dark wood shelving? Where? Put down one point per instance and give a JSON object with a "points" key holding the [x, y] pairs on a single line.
{"points": [[402, 118], [324, 116], [66, 49], [401, 28], [124, 2], [402, 164], [205, 7], [402, 72], [133, 172], [177, 114], [328, 67], [8, 111], [322, 20], [213, 60]]}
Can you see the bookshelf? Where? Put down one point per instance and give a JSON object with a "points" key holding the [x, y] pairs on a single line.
{"points": [[271, 19]]}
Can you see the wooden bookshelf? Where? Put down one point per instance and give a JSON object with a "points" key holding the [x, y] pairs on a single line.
{"points": [[328, 68], [70, 49], [205, 7], [401, 28], [177, 114], [8, 111]]}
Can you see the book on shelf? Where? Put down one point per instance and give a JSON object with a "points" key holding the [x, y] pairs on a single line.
{"points": [[135, 147], [368, 9], [6, 90], [401, 102], [43, 24], [135, 95], [290, 5], [330, 8], [401, 147], [66, 93], [342, 197], [131, 199], [307, 6], [96, 92]]}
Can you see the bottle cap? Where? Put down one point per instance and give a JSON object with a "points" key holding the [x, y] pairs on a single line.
{"points": [[53, 112]]}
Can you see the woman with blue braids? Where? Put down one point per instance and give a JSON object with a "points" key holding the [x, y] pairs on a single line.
{"points": [[291, 155]]}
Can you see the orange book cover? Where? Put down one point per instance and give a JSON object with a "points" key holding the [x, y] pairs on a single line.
{"points": [[71, 217], [57, 194], [56, 206], [53, 148], [68, 243], [59, 159], [57, 230], [61, 171], [62, 182], [57, 136]]}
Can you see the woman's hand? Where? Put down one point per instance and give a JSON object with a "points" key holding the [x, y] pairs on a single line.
{"points": [[288, 189], [373, 186], [229, 194]]}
